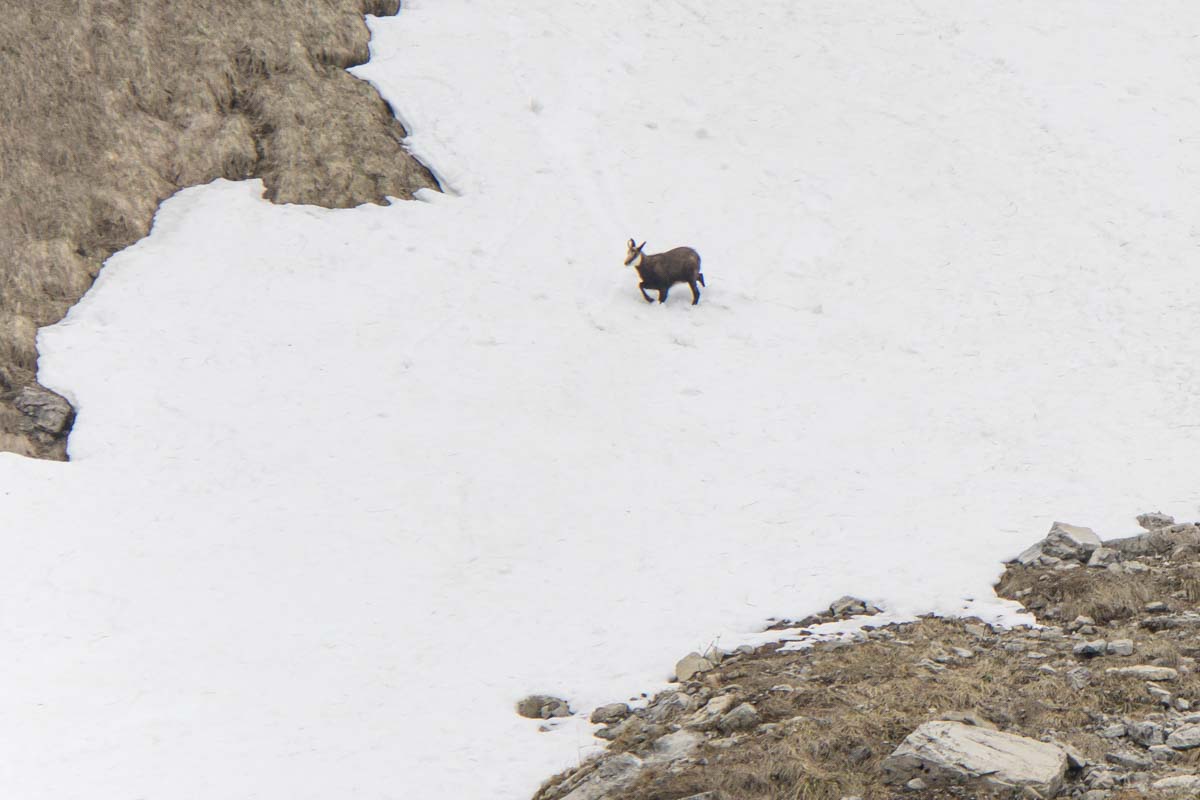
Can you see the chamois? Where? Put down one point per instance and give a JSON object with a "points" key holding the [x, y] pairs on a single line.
{"points": [[661, 271]]}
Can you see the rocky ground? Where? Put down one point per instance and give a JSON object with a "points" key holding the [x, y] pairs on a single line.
{"points": [[1100, 701]]}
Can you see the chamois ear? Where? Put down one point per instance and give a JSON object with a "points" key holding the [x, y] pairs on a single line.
{"points": [[631, 245], [640, 246]]}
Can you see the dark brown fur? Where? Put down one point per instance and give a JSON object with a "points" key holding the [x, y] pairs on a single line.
{"points": [[661, 271]]}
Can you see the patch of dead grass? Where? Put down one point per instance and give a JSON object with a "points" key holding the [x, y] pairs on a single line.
{"points": [[113, 105]]}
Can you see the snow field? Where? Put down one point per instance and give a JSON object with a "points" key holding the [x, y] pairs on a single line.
{"points": [[347, 484]]}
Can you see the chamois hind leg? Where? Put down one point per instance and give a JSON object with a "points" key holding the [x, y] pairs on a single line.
{"points": [[649, 299], [695, 292], [662, 294]]}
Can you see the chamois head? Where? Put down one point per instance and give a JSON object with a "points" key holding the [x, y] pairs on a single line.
{"points": [[633, 253]]}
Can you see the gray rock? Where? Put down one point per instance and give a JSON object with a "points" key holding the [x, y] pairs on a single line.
{"points": [[1103, 556], [1159, 541], [1128, 761], [1146, 734], [542, 706], [847, 606], [1102, 779], [742, 718], [1157, 606], [1070, 542], [916, 785], [1178, 783], [669, 704], [613, 775], [957, 751], [691, 664], [1160, 695], [1079, 677], [1114, 731], [1155, 520], [675, 746], [613, 712], [46, 411], [1120, 647], [1185, 738], [707, 717], [1163, 752], [1145, 672], [1090, 649]]}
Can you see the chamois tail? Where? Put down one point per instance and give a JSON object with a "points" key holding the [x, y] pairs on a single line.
{"points": [[700, 276]]}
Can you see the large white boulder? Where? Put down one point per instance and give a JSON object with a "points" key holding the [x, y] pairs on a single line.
{"points": [[954, 752]]}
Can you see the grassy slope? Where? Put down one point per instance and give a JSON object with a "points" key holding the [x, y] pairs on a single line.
{"points": [[113, 105]]}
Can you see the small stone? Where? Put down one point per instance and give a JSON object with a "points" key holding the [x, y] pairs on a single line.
{"points": [[1120, 647], [1160, 695], [1103, 556], [1146, 734], [1185, 738], [859, 755], [1182, 705], [1102, 779], [1156, 607], [1134, 567], [783, 687], [1090, 649], [613, 712], [1163, 752], [1145, 672], [691, 664], [741, 718], [1189, 783], [1128, 761], [1114, 731], [847, 606], [49, 412], [1081, 621], [1154, 520], [1079, 677], [542, 706], [978, 631], [916, 784]]}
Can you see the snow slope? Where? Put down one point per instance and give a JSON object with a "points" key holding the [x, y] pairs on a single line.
{"points": [[347, 484]]}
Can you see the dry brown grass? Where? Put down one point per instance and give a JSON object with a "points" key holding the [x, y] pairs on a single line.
{"points": [[1097, 593], [853, 705], [113, 105]]}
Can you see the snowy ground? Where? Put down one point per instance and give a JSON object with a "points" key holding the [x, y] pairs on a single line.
{"points": [[347, 484]]}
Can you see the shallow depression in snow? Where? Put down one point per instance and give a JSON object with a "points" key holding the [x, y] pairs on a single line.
{"points": [[349, 483]]}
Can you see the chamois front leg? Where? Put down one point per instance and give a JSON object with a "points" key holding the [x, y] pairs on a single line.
{"points": [[642, 286], [662, 294], [695, 292]]}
